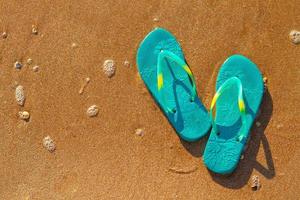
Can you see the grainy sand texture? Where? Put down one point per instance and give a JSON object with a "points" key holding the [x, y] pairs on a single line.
{"points": [[102, 157]]}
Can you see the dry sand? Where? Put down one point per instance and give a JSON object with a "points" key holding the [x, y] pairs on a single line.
{"points": [[102, 157]]}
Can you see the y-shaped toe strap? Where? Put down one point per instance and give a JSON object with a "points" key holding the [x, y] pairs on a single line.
{"points": [[164, 54], [240, 101]]}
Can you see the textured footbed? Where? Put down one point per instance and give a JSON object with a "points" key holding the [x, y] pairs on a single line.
{"points": [[223, 151], [191, 120]]}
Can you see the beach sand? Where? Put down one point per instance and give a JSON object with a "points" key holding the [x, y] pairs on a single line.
{"points": [[102, 157]]}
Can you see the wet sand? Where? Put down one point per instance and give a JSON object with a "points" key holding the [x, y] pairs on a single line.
{"points": [[102, 157]]}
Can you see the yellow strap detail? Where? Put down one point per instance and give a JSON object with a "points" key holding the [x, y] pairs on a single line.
{"points": [[187, 69], [241, 105], [213, 102], [160, 81]]}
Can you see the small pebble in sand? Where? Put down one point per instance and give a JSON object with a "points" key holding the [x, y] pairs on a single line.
{"points": [[34, 29], [242, 157], [49, 144], [139, 132], [4, 35], [24, 115], [20, 95], [29, 61], [126, 63], [258, 124], [295, 36], [92, 111], [35, 68], [109, 68], [255, 183], [74, 45], [156, 19], [18, 65], [279, 126]]}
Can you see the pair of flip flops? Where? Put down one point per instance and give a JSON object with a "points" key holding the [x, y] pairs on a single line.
{"points": [[239, 91]]}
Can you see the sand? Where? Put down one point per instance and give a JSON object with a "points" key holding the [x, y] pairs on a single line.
{"points": [[102, 157]]}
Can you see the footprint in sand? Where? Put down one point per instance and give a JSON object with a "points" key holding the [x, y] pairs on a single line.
{"points": [[180, 164]]}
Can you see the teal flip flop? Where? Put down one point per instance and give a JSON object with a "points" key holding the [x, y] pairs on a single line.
{"points": [[162, 66], [239, 93]]}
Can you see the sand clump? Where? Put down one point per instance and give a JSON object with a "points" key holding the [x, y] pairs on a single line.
{"points": [[279, 126], [155, 19], [109, 68], [35, 68], [20, 95], [126, 63], [4, 35], [74, 45], [24, 115], [92, 111], [139, 132], [295, 36], [29, 61], [49, 144], [18, 65], [34, 30]]}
